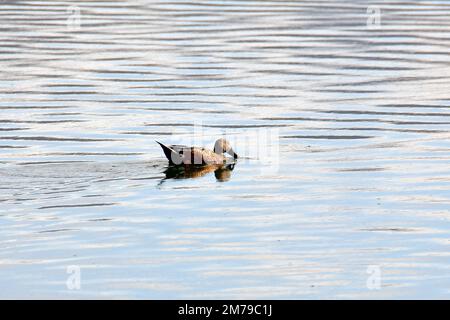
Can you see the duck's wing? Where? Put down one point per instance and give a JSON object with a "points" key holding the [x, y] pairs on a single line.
{"points": [[205, 157], [179, 148], [181, 154]]}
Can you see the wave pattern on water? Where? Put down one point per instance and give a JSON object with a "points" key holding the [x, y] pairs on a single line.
{"points": [[364, 146]]}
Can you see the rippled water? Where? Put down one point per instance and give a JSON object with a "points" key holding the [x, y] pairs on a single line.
{"points": [[364, 125]]}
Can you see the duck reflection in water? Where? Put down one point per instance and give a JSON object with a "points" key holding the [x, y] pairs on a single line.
{"points": [[222, 172]]}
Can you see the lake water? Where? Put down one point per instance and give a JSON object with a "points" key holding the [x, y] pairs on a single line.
{"points": [[356, 206]]}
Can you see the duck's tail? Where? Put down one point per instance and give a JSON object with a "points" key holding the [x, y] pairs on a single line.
{"points": [[169, 152]]}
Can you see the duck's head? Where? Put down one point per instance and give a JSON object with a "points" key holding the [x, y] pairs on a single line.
{"points": [[223, 146]]}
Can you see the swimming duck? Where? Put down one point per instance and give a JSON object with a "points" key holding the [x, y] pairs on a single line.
{"points": [[178, 154]]}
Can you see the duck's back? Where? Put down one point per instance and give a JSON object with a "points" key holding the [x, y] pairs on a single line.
{"points": [[200, 156]]}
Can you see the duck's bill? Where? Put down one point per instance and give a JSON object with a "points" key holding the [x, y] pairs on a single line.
{"points": [[233, 154]]}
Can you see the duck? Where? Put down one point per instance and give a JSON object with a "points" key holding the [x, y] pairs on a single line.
{"points": [[184, 155]]}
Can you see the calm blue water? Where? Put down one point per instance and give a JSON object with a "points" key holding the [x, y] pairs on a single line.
{"points": [[356, 204]]}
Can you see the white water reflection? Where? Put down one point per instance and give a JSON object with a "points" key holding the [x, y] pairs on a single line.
{"points": [[363, 176]]}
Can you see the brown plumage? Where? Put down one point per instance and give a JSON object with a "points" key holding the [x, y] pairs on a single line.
{"points": [[177, 154]]}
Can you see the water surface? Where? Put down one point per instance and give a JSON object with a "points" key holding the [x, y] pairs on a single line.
{"points": [[363, 120]]}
